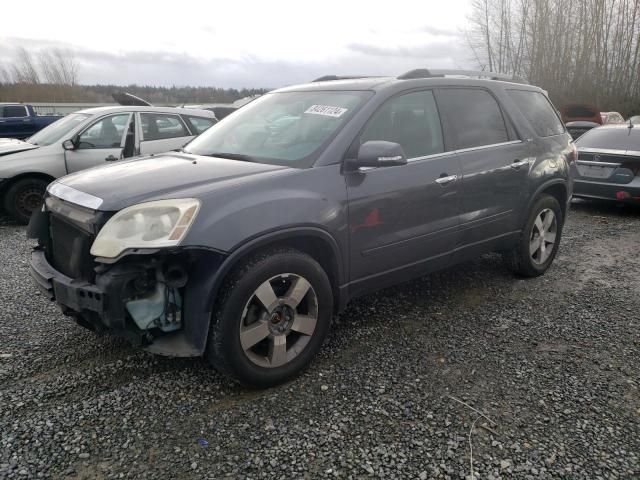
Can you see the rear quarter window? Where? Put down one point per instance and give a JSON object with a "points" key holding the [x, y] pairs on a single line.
{"points": [[199, 124], [538, 110], [14, 111]]}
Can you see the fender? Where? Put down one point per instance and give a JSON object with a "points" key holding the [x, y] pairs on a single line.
{"points": [[254, 243], [544, 186], [198, 310]]}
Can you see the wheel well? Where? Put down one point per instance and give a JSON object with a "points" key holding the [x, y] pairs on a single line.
{"points": [[320, 250], [559, 192], [22, 176]]}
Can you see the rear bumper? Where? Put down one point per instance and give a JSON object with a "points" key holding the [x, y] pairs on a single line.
{"points": [[628, 192]]}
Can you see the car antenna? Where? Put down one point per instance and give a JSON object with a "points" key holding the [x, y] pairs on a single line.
{"points": [[630, 124]]}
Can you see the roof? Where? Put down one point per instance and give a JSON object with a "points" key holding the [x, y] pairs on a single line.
{"points": [[174, 110], [414, 78]]}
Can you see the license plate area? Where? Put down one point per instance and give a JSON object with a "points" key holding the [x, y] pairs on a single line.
{"points": [[596, 171]]}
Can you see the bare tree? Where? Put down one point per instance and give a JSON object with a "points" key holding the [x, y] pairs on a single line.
{"points": [[579, 50], [25, 69], [59, 67]]}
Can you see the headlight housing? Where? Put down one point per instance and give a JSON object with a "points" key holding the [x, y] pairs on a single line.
{"points": [[162, 223]]}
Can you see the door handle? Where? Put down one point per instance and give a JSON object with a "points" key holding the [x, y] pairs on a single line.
{"points": [[111, 158], [519, 163], [445, 179]]}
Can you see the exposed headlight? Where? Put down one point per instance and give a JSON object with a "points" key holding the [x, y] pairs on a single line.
{"points": [[162, 223]]}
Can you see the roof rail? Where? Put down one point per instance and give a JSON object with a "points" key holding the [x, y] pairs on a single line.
{"points": [[330, 78], [425, 73]]}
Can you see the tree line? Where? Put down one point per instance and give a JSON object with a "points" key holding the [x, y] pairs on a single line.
{"points": [[51, 75], [583, 51]]}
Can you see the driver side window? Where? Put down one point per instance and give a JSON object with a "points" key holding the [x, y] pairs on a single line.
{"points": [[108, 132], [412, 120]]}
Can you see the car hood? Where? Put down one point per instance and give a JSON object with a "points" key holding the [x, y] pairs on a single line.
{"points": [[11, 145], [163, 176]]}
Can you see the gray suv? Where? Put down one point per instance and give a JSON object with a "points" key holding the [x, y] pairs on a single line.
{"points": [[243, 245]]}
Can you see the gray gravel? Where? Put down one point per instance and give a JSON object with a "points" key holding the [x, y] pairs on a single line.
{"points": [[553, 361]]}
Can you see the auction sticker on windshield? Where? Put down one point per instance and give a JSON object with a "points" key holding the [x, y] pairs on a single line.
{"points": [[326, 110]]}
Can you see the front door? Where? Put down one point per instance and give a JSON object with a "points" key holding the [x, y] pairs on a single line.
{"points": [[403, 220], [101, 143], [494, 162]]}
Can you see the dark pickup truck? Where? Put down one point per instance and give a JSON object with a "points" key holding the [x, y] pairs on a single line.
{"points": [[20, 121]]}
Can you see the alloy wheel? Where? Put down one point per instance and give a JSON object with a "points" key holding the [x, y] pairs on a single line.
{"points": [[543, 236], [279, 320]]}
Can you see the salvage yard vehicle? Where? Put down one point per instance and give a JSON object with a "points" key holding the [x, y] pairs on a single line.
{"points": [[580, 112], [609, 164], [580, 127], [85, 139], [18, 120], [243, 245], [609, 118]]}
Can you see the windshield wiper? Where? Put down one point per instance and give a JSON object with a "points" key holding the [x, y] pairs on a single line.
{"points": [[233, 156]]}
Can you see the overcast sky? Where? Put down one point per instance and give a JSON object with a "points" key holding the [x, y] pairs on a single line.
{"points": [[239, 43]]}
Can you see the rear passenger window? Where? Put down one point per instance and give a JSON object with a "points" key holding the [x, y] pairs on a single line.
{"points": [[538, 110], [15, 111], [160, 126], [411, 120], [475, 117]]}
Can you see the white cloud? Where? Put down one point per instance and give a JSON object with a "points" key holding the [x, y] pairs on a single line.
{"points": [[242, 43]]}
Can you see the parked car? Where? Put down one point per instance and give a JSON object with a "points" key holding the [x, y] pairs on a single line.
{"points": [[609, 118], [85, 139], [243, 245], [634, 120], [20, 121], [580, 112], [609, 164], [578, 128]]}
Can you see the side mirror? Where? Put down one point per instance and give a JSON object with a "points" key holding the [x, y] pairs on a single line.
{"points": [[378, 153], [68, 145]]}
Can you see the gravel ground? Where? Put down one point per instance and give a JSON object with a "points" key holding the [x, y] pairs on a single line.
{"points": [[552, 362]]}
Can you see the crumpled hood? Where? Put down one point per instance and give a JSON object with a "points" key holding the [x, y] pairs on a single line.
{"points": [[170, 175], [11, 145]]}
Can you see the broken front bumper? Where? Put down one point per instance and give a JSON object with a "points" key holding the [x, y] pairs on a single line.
{"points": [[100, 306]]}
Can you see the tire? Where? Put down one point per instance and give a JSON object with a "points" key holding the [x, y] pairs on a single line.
{"points": [[523, 259], [276, 277], [23, 197]]}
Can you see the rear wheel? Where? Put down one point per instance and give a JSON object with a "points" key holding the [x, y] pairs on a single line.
{"points": [[23, 197], [272, 318], [539, 240]]}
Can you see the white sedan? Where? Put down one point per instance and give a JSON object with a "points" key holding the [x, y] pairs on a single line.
{"points": [[86, 139]]}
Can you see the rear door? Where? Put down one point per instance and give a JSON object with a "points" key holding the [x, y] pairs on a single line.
{"points": [[403, 220], [162, 132], [101, 142], [494, 162]]}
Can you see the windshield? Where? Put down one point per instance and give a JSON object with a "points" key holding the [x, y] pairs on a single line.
{"points": [[58, 130], [286, 128], [611, 138]]}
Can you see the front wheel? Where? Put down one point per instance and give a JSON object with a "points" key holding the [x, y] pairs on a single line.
{"points": [[272, 318], [24, 197], [539, 240]]}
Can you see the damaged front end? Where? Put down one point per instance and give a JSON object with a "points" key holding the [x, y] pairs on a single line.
{"points": [[159, 299]]}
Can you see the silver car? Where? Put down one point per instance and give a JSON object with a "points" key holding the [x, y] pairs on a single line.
{"points": [[86, 139]]}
